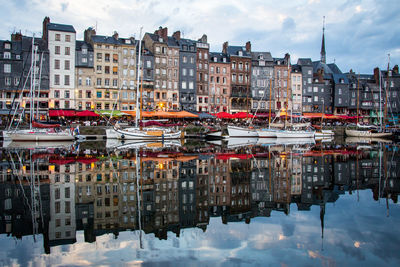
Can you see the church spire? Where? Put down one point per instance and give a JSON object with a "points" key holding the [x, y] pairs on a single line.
{"points": [[323, 53]]}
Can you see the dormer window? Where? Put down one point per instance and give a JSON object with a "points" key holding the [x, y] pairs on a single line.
{"points": [[261, 56], [7, 46], [215, 59], [240, 53], [224, 60], [160, 39]]}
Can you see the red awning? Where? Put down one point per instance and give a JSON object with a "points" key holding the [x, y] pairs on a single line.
{"points": [[226, 156], [223, 115], [242, 115], [87, 113], [87, 160], [61, 113]]}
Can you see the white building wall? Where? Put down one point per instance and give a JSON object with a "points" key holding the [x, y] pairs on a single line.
{"points": [[62, 72]]}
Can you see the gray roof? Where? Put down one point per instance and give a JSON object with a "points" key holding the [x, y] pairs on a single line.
{"points": [[172, 42], [337, 77], [304, 62], [219, 57], [113, 41], [60, 27], [79, 44], [234, 51], [296, 68], [153, 36], [328, 68], [267, 56]]}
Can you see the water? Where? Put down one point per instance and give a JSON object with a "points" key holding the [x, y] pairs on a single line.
{"points": [[237, 203]]}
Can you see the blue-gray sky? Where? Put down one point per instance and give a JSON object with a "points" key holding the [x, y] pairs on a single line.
{"points": [[359, 33]]}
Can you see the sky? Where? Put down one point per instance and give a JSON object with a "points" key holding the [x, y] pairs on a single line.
{"points": [[359, 34]]}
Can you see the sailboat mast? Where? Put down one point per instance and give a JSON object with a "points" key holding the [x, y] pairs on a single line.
{"points": [[270, 103], [287, 91], [380, 99], [358, 95], [33, 78], [138, 80], [386, 91], [40, 78]]}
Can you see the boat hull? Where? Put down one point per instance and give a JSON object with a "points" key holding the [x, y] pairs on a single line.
{"points": [[145, 134], [295, 134], [29, 135], [365, 133], [266, 133], [234, 131]]}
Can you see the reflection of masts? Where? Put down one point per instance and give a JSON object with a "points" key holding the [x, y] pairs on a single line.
{"points": [[380, 171], [322, 216], [138, 198], [357, 174], [386, 181]]}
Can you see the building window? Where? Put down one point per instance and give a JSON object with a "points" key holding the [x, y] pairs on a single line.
{"points": [[57, 64], [68, 38], [56, 79], [67, 50], [88, 81], [84, 60], [66, 93], [7, 68], [58, 37], [7, 55], [98, 82], [84, 51], [66, 64], [66, 79], [8, 81], [57, 50], [115, 82]]}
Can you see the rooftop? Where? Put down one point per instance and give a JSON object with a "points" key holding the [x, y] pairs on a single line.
{"points": [[60, 27]]}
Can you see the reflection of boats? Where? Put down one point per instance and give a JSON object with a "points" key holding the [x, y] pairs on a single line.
{"points": [[215, 142], [293, 141], [367, 140], [266, 141], [238, 142], [118, 144], [234, 131], [42, 144]]}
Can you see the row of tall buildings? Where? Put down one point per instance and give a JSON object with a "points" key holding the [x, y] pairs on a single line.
{"points": [[58, 194], [101, 72]]}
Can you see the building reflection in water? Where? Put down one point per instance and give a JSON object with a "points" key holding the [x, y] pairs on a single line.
{"points": [[58, 192]]}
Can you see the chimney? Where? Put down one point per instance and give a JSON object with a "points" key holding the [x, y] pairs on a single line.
{"points": [[115, 35], [16, 36], [248, 47], [287, 59], [225, 48], [376, 76], [44, 30], [177, 35], [163, 33], [89, 32], [396, 69]]}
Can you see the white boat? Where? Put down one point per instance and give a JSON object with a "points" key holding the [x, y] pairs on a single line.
{"points": [[366, 133], [234, 131], [324, 134], [36, 134], [295, 134], [266, 133], [135, 133]]}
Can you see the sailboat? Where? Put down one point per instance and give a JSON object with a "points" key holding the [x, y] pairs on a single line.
{"points": [[139, 133], [33, 133], [368, 131], [292, 133]]}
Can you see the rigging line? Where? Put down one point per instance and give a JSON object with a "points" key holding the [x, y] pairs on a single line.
{"points": [[19, 83], [40, 83], [19, 102]]}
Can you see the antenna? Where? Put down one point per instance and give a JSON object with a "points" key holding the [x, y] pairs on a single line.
{"points": [[323, 24]]}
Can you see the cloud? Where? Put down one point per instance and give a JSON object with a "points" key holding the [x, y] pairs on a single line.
{"points": [[359, 34]]}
